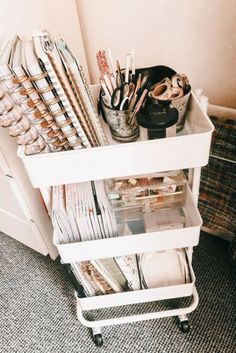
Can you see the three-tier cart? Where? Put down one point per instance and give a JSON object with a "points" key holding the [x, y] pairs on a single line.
{"points": [[189, 150]]}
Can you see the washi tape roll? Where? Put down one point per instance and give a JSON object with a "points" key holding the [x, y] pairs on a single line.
{"points": [[162, 91]]}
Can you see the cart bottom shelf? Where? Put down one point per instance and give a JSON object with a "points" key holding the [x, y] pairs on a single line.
{"points": [[179, 312]]}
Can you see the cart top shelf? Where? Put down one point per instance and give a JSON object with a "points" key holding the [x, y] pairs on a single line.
{"points": [[189, 149]]}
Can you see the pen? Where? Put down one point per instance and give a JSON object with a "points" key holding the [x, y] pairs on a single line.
{"points": [[140, 102], [119, 74], [135, 95], [105, 90], [110, 59], [144, 81], [138, 84], [112, 69], [113, 81], [127, 67], [133, 64], [108, 84]]}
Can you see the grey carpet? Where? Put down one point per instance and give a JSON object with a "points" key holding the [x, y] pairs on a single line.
{"points": [[37, 308]]}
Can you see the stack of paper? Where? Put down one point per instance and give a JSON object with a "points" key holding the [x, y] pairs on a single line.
{"points": [[81, 212]]}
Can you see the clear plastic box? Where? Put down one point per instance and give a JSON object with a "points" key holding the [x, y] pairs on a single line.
{"points": [[150, 192]]}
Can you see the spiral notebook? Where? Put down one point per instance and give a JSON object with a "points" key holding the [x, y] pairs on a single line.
{"points": [[51, 97], [80, 87], [47, 82], [50, 61], [38, 114]]}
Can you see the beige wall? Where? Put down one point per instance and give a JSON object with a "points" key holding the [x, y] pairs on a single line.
{"points": [[197, 37], [59, 17]]}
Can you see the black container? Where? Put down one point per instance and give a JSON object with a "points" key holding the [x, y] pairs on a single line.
{"points": [[156, 118], [155, 73]]}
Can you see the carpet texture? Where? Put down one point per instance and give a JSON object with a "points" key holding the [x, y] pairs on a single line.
{"points": [[37, 308]]}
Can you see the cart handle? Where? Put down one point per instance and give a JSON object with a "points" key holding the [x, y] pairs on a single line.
{"points": [[140, 317]]}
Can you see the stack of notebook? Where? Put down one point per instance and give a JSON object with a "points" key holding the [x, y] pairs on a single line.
{"points": [[48, 87], [82, 212]]}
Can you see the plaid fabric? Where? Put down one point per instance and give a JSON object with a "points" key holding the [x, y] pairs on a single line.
{"points": [[223, 142], [217, 200]]}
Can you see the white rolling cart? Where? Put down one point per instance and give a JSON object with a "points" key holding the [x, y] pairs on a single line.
{"points": [[189, 150]]}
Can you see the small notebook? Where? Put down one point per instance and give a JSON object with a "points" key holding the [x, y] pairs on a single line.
{"points": [[81, 90], [85, 281], [50, 60], [111, 273], [95, 278]]}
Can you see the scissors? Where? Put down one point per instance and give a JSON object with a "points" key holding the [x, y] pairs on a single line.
{"points": [[120, 96]]}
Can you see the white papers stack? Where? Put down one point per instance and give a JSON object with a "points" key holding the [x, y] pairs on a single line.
{"points": [[59, 216], [81, 212]]}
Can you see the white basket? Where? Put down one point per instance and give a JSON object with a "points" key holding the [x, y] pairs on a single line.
{"points": [[139, 296], [136, 243], [134, 158]]}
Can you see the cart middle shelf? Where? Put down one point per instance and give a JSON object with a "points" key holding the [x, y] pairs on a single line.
{"points": [[137, 243]]}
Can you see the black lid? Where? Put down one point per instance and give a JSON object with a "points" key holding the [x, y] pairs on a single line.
{"points": [[157, 116], [155, 73]]}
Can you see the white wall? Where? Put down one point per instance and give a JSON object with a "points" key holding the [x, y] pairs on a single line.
{"points": [[59, 17], [197, 37]]}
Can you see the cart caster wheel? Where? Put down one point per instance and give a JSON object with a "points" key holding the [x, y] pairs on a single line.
{"points": [[98, 340], [184, 326]]}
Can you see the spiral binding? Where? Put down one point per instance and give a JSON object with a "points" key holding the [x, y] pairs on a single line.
{"points": [[58, 85], [103, 139], [29, 108], [62, 142], [18, 80], [24, 133], [94, 141], [42, 117], [15, 92], [39, 76], [82, 95]]}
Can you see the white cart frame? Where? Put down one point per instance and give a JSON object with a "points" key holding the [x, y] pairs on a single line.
{"points": [[189, 151]]}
